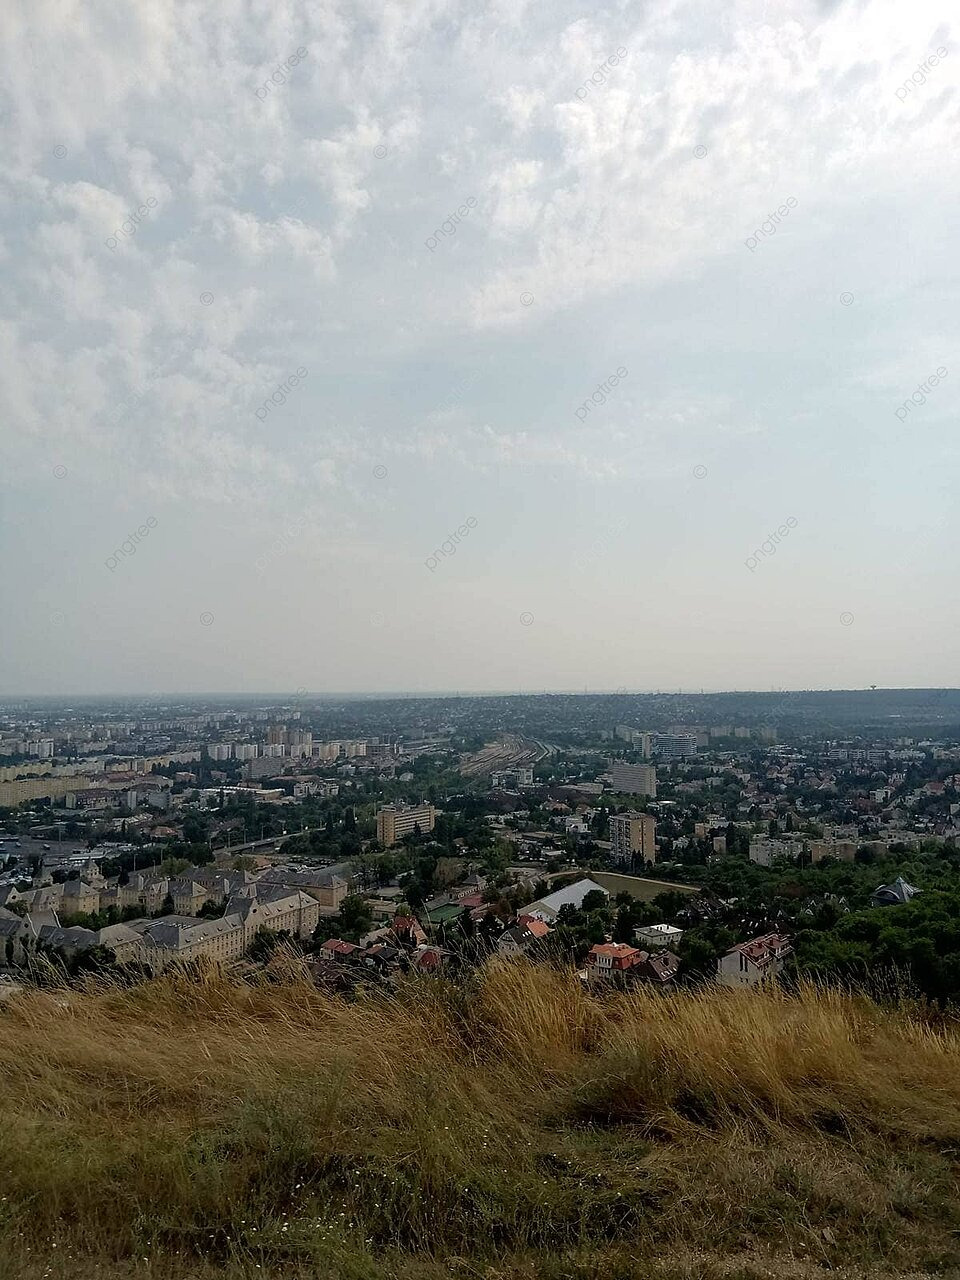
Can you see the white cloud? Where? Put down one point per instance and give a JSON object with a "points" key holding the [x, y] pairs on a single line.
{"points": [[290, 232]]}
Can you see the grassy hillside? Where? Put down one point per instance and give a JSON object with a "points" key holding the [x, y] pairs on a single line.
{"points": [[196, 1127]]}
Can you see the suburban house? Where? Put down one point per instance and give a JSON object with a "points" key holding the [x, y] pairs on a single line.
{"points": [[658, 935], [754, 962], [659, 967], [408, 931], [519, 938], [430, 959], [337, 949], [619, 962], [610, 960]]}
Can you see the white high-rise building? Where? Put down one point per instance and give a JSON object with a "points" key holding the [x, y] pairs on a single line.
{"points": [[675, 746]]}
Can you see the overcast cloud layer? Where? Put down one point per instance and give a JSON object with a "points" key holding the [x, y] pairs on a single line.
{"points": [[449, 368]]}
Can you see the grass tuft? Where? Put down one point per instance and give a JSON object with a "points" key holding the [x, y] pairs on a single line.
{"points": [[512, 1126]]}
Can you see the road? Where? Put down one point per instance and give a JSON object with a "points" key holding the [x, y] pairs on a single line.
{"points": [[274, 841]]}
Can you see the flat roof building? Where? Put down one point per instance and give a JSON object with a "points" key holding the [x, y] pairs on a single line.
{"points": [[633, 779], [632, 837], [394, 821]]}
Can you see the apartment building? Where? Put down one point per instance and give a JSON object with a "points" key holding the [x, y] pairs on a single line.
{"points": [[843, 850], [765, 850], [676, 746], [394, 821], [46, 788], [633, 779], [632, 838]]}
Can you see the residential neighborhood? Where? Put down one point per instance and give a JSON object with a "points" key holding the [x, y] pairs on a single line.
{"points": [[658, 852]]}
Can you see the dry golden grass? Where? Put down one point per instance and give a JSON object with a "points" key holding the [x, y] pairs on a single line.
{"points": [[514, 1126]]}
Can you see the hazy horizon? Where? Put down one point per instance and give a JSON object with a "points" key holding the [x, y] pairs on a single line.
{"points": [[513, 348], [360, 694]]}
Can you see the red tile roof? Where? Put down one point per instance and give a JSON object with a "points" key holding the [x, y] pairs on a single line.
{"points": [[764, 949], [337, 947], [620, 954], [538, 928]]}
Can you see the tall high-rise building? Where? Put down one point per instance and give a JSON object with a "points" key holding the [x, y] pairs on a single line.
{"points": [[634, 779], [395, 821], [632, 837]]}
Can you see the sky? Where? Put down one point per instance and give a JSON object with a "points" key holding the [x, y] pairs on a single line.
{"points": [[458, 222]]}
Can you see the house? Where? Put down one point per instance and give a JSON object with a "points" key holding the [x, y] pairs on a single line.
{"points": [[519, 938], [408, 931], [659, 968], [611, 960], [470, 901], [893, 895], [753, 962], [382, 957], [658, 935], [337, 949], [430, 959], [548, 908]]}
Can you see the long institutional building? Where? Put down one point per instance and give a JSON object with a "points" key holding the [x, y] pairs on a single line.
{"points": [[633, 779], [632, 837], [394, 821]]}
